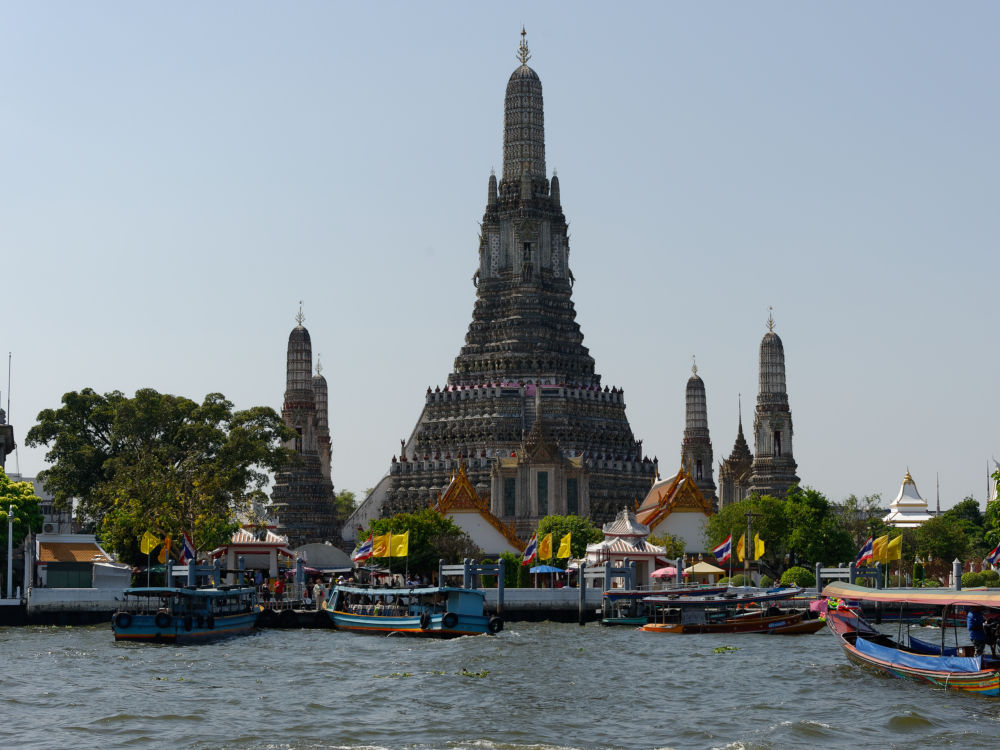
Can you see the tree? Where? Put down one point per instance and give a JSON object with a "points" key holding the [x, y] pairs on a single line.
{"points": [[857, 516], [27, 516], [583, 530], [158, 462], [770, 523], [432, 538], [815, 534], [344, 504], [968, 515], [942, 539], [674, 546]]}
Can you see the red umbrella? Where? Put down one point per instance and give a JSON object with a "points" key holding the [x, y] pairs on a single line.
{"points": [[667, 572]]}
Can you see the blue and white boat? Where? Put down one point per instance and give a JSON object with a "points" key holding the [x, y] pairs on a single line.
{"points": [[185, 614], [431, 611]]}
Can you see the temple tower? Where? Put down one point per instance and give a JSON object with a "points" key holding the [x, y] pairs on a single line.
{"points": [[523, 353], [773, 470], [734, 472], [302, 496], [696, 448], [323, 442]]}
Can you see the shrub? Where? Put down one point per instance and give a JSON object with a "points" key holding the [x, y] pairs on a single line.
{"points": [[798, 576], [972, 580], [724, 579], [766, 582], [991, 578], [738, 580]]}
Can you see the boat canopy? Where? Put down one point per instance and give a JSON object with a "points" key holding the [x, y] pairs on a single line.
{"points": [[940, 597], [726, 600]]}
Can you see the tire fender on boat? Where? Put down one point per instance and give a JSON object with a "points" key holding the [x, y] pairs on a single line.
{"points": [[123, 620], [162, 620], [495, 625], [425, 620], [449, 620]]}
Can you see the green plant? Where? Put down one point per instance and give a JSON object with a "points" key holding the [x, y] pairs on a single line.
{"points": [[738, 580], [766, 582], [798, 576], [991, 579], [972, 580]]}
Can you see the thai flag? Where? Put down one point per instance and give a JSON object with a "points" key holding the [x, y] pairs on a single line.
{"points": [[364, 552], [866, 552], [531, 551], [994, 555], [725, 550], [187, 549]]}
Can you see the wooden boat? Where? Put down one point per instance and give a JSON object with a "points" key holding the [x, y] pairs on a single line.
{"points": [[735, 613], [958, 668], [433, 611], [185, 614], [628, 606]]}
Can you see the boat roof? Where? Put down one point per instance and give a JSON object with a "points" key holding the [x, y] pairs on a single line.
{"points": [[727, 600], [409, 591], [186, 591], [967, 598]]}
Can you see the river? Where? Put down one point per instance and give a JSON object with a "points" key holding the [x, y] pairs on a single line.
{"points": [[536, 686]]}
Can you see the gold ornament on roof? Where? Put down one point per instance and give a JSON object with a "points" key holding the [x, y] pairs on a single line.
{"points": [[770, 319], [694, 365], [300, 318], [522, 53]]}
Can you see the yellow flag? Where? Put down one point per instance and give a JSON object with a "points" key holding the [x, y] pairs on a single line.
{"points": [[879, 549], [758, 547], [148, 543], [399, 544], [564, 550], [740, 547], [380, 545], [166, 549], [894, 550], [545, 548]]}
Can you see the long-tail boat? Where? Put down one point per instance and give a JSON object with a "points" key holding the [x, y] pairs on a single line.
{"points": [[957, 667], [745, 612]]}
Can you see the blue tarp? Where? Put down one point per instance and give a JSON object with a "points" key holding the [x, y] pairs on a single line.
{"points": [[919, 661]]}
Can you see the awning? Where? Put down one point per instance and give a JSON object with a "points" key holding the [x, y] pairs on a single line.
{"points": [[703, 567], [70, 552]]}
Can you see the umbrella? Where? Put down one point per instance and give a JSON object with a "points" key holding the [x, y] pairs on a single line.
{"points": [[666, 572], [546, 569]]}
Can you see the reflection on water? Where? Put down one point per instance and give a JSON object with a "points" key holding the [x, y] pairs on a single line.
{"points": [[536, 685]]}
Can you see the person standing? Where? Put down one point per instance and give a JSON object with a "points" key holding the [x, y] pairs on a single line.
{"points": [[977, 634]]}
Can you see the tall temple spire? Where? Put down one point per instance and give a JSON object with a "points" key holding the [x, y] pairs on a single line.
{"points": [[696, 448], [524, 122], [774, 465]]}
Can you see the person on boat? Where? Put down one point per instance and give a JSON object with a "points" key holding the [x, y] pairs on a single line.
{"points": [[977, 634]]}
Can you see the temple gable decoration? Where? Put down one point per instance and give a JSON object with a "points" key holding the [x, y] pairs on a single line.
{"points": [[460, 498]]}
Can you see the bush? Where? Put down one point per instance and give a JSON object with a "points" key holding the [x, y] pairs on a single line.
{"points": [[798, 576], [972, 580], [991, 578], [738, 580], [724, 580], [766, 582]]}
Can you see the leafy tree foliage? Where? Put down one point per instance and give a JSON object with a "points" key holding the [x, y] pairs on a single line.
{"points": [[674, 545], [770, 522], [27, 510], [860, 516], [158, 462], [432, 538], [943, 538], [798, 576], [583, 530], [814, 532], [344, 504]]}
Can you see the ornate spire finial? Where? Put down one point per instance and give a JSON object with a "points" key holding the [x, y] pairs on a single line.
{"points": [[694, 366], [522, 53], [770, 318], [319, 365], [300, 318]]}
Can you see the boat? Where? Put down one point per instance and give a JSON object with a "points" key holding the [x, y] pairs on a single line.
{"points": [[628, 606], [957, 667], [184, 615], [428, 611], [730, 613]]}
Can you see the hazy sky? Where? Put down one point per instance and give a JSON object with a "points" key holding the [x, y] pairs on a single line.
{"points": [[175, 177]]}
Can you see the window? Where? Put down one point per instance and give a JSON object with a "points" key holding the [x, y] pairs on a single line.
{"points": [[543, 493], [698, 470], [777, 444], [573, 496], [509, 496]]}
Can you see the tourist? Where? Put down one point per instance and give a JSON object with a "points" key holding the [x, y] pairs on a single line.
{"points": [[319, 594], [279, 590], [265, 590], [974, 622]]}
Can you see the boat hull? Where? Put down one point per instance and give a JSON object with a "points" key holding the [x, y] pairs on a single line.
{"points": [[181, 630], [785, 624], [408, 625]]}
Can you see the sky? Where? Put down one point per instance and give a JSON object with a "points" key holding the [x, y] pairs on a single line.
{"points": [[176, 177]]}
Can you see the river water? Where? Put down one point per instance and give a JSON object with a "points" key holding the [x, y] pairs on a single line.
{"points": [[535, 686]]}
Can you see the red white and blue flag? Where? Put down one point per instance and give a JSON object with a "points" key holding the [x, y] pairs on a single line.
{"points": [[866, 552], [994, 555], [531, 551], [725, 550], [187, 549], [364, 552]]}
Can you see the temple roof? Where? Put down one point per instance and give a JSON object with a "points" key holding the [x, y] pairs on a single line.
{"points": [[625, 525], [676, 493], [908, 510]]}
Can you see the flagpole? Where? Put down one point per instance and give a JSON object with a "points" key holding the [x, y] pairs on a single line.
{"points": [[148, 563]]}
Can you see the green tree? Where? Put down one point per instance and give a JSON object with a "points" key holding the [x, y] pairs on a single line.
{"points": [[344, 504], [969, 516], [815, 534], [583, 530], [432, 538], [857, 516], [27, 510], [158, 462], [769, 522], [674, 546], [940, 540]]}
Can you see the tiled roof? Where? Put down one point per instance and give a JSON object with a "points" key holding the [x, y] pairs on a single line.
{"points": [[77, 552]]}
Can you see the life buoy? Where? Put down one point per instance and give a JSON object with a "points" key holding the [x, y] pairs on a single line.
{"points": [[210, 622], [123, 620], [449, 620], [162, 620], [425, 620], [188, 624], [495, 625]]}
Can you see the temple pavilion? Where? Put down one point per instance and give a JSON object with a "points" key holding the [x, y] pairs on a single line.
{"points": [[908, 510]]}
